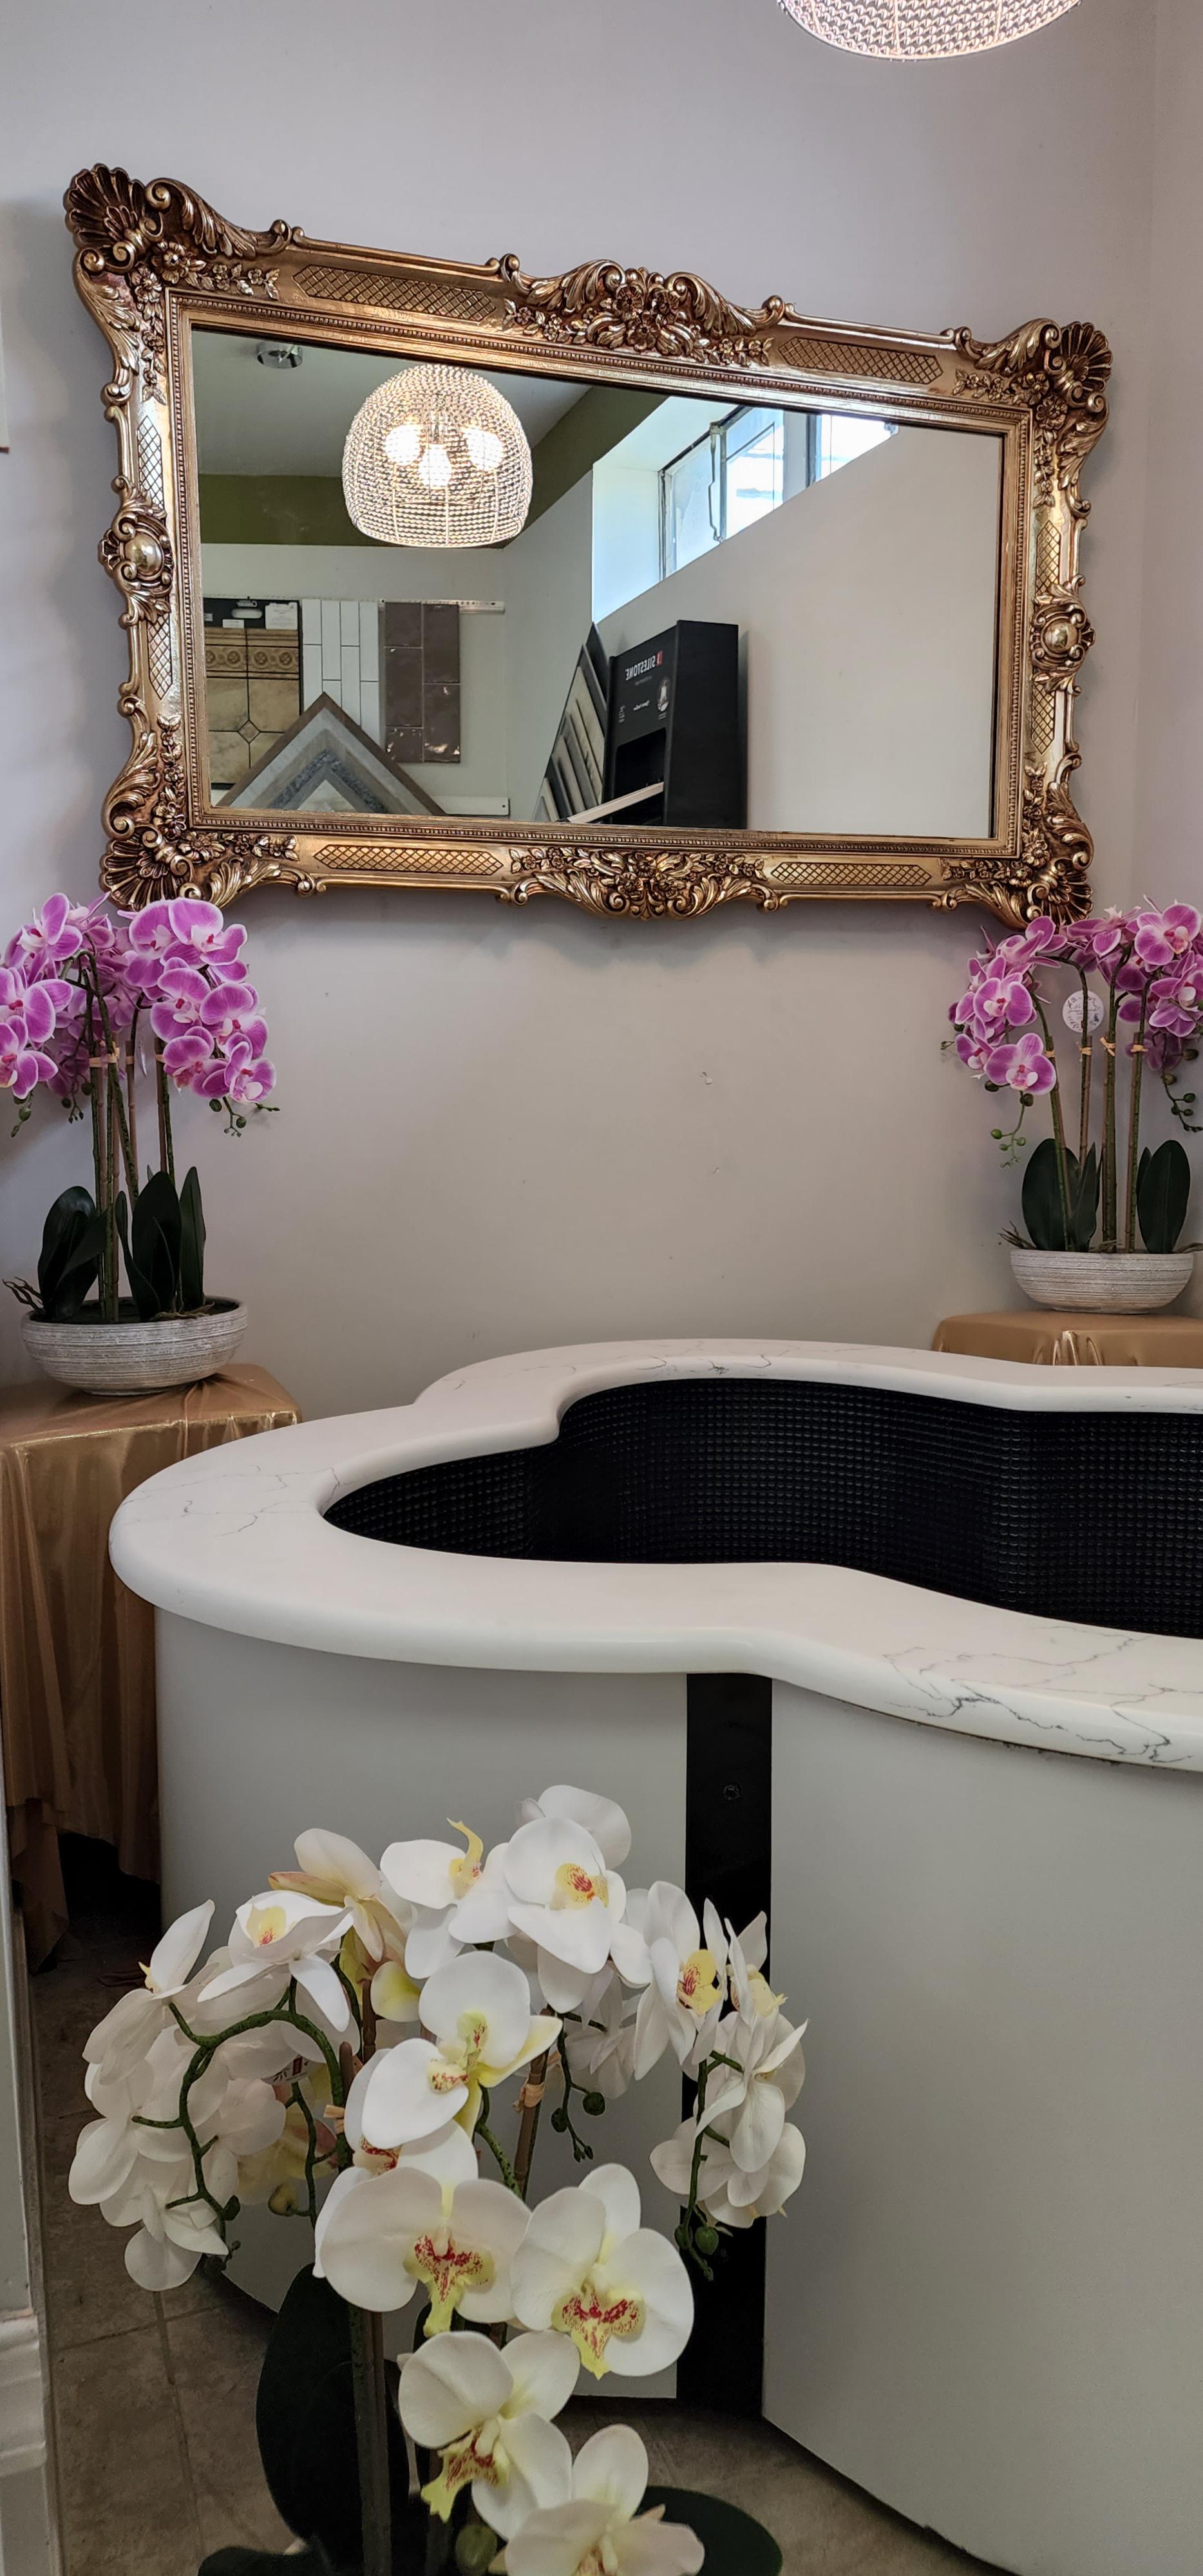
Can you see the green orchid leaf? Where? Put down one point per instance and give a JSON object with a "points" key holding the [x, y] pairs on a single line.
{"points": [[192, 1243], [141, 1288], [1043, 1213], [734, 2544], [305, 2420], [63, 1278], [1162, 1192], [156, 1234]]}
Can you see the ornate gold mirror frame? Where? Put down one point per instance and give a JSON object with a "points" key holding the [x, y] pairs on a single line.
{"points": [[153, 259]]}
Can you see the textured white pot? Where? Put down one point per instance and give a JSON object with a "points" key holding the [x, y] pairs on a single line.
{"points": [[133, 1357], [1102, 1283]]}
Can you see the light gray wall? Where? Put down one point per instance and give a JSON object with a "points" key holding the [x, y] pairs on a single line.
{"points": [[500, 1129], [867, 609]]}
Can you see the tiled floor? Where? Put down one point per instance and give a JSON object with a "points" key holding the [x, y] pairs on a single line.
{"points": [[154, 2398]]}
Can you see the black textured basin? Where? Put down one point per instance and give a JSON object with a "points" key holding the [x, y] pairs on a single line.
{"points": [[1074, 1515]]}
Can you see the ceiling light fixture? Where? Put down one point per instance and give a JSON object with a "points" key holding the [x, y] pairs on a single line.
{"points": [[437, 457], [911, 31]]}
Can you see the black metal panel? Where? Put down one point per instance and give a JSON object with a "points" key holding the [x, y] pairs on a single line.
{"points": [[729, 1857], [1070, 1515]]}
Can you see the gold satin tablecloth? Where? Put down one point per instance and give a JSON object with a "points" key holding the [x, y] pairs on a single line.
{"points": [[77, 1671], [1066, 1339]]}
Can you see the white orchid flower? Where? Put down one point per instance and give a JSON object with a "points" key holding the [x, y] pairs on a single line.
{"points": [[586, 2268], [381, 2236], [600, 2044], [741, 1957], [682, 2005], [290, 1936], [454, 1897], [600, 2530], [374, 2158], [489, 2413], [755, 2094], [564, 1899], [479, 2012], [173, 2229], [125, 2034], [728, 2195], [338, 1873], [600, 1817]]}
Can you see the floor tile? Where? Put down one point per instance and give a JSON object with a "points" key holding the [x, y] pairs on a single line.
{"points": [[216, 2355], [127, 2501]]}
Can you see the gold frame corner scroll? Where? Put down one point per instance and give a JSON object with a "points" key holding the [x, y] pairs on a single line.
{"points": [[152, 259]]}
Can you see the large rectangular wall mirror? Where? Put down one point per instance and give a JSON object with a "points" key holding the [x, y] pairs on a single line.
{"points": [[774, 609]]}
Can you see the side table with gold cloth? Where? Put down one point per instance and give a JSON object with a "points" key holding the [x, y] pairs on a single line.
{"points": [[77, 1672], [1065, 1338]]}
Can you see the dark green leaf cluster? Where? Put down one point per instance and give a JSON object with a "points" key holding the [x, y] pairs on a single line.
{"points": [[163, 1245]]}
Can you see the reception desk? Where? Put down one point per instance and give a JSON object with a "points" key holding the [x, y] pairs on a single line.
{"points": [[902, 1644]]}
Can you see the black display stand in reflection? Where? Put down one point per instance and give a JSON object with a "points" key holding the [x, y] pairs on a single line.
{"points": [[673, 724]]}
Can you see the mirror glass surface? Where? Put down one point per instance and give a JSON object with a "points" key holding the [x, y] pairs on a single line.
{"points": [[719, 613]]}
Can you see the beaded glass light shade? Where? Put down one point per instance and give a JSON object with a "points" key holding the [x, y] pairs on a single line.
{"points": [[437, 457], [923, 30]]}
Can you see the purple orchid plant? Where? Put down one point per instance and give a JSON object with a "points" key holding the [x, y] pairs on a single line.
{"points": [[1149, 1011], [89, 1001]]}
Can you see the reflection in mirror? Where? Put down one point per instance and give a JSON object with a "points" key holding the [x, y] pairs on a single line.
{"points": [[717, 614]]}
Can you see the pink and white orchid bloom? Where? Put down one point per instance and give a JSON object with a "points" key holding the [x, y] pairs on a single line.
{"points": [[286, 1936], [336, 1872], [726, 2193], [489, 2413], [563, 1897], [751, 2103], [586, 2268], [382, 2236], [454, 1897], [479, 2012], [600, 2531], [682, 2004], [601, 1817]]}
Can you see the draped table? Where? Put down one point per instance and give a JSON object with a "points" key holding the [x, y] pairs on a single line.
{"points": [[1068, 1339], [77, 1672]]}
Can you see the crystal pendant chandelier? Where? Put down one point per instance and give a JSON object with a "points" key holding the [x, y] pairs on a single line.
{"points": [[907, 31], [437, 457]]}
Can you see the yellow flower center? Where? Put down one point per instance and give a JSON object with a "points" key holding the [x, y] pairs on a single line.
{"points": [[449, 2270], [465, 1871], [265, 1923], [698, 1986], [477, 2459], [591, 2317], [575, 1886]]}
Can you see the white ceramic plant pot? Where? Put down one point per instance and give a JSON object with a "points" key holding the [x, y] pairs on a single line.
{"points": [[136, 1358], [1102, 1283]]}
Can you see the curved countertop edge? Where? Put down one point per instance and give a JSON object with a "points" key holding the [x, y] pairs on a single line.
{"points": [[235, 1539]]}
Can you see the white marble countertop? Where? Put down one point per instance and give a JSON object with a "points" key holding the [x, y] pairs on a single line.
{"points": [[235, 1538]]}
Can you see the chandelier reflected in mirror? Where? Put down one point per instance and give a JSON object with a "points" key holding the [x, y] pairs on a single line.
{"points": [[923, 30], [437, 457]]}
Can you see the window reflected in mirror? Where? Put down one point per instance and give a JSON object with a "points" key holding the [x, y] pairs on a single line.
{"points": [[717, 613]]}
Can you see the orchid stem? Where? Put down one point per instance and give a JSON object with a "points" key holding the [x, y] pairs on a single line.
{"points": [[371, 2439], [1054, 1102], [529, 2127], [1138, 1058]]}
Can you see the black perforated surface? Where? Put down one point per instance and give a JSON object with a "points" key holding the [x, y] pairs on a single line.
{"points": [[1091, 1516]]}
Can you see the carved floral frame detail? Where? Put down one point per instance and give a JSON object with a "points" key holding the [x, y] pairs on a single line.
{"points": [[153, 258]]}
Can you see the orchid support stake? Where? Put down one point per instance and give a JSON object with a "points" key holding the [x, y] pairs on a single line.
{"points": [[1054, 1102], [1138, 1058], [371, 2438], [1086, 1050], [1110, 1187]]}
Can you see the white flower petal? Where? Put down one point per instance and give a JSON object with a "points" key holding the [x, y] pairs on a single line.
{"points": [[600, 1817], [479, 1983], [450, 2155], [757, 2131], [421, 1871], [544, 2369], [554, 2541], [629, 1951], [538, 1850], [672, 2160], [104, 2158], [562, 1987], [316, 1978], [618, 2193], [540, 2473], [353, 2178], [648, 2267], [611, 2468], [174, 1957], [157, 2265], [453, 2382], [577, 1934], [369, 2232], [563, 2239], [650, 2547], [400, 2104], [431, 1942]]}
